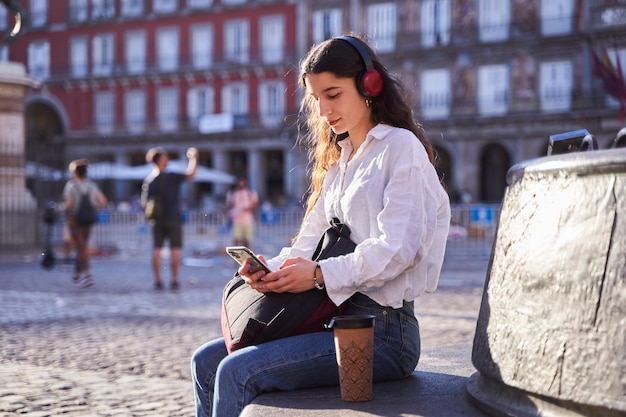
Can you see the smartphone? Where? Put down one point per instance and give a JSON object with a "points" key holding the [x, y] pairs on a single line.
{"points": [[241, 254]]}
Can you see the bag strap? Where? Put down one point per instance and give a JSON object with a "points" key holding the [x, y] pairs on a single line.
{"points": [[340, 228], [333, 233]]}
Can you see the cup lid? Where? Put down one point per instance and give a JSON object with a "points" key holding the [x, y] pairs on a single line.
{"points": [[354, 321]]}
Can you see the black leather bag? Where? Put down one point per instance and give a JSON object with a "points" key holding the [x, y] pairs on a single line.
{"points": [[251, 318]]}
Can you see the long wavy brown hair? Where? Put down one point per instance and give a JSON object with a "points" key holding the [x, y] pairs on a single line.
{"points": [[390, 107]]}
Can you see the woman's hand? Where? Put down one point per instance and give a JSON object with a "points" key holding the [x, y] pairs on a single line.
{"points": [[254, 280], [294, 275]]}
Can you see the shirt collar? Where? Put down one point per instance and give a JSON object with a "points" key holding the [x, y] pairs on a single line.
{"points": [[380, 131]]}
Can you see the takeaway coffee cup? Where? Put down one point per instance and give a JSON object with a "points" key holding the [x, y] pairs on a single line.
{"points": [[354, 343]]}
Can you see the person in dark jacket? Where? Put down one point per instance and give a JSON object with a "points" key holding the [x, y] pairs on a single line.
{"points": [[165, 187]]}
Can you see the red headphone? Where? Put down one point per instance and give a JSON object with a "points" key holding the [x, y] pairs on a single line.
{"points": [[369, 82]]}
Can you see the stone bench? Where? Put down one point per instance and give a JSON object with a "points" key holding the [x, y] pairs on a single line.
{"points": [[436, 388]]}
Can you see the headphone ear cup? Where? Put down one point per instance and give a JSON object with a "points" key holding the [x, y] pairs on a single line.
{"points": [[371, 83]]}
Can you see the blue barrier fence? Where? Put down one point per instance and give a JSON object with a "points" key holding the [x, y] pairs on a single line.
{"points": [[472, 227]]}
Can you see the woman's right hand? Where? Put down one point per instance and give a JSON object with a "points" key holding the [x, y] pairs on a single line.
{"points": [[254, 280]]}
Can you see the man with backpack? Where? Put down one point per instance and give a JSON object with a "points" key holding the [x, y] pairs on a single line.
{"points": [[82, 199]]}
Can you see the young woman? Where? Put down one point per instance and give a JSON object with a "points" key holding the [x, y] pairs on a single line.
{"points": [[373, 168]]}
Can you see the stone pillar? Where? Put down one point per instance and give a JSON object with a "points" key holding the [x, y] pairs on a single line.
{"points": [[256, 178], [551, 333], [18, 208], [123, 188], [295, 174], [220, 163]]}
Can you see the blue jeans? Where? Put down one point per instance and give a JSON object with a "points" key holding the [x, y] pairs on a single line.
{"points": [[224, 384]]}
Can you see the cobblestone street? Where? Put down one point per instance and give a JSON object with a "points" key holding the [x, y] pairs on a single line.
{"points": [[119, 348]]}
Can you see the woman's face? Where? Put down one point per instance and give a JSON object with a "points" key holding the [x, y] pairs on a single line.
{"points": [[339, 102]]}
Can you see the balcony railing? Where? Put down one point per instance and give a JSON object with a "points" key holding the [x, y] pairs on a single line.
{"points": [[216, 67]]}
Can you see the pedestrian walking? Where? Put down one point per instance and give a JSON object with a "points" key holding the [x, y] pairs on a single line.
{"points": [[163, 188], [79, 194], [373, 169], [242, 203]]}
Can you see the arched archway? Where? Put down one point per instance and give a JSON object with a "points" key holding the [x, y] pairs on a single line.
{"points": [[44, 150], [495, 161], [444, 167]]}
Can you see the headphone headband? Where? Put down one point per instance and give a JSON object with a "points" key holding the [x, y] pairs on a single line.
{"points": [[369, 82], [365, 56]]}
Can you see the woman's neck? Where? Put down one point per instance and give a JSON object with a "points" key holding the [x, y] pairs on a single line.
{"points": [[357, 136]]}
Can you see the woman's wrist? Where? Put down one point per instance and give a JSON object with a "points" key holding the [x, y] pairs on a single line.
{"points": [[318, 279]]}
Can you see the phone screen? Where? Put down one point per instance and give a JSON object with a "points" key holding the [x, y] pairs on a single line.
{"points": [[241, 254]]}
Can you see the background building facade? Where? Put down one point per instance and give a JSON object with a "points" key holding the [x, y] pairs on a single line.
{"points": [[490, 80]]}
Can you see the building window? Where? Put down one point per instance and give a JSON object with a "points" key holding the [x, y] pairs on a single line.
{"points": [[494, 17], [39, 59], [201, 46], [135, 110], [102, 54], [235, 102], [167, 109], [136, 52], [4, 53], [326, 24], [78, 56], [78, 10], [557, 17], [556, 85], [38, 13], [132, 8], [272, 103], [382, 23], [164, 6], [232, 2], [272, 39], [102, 9], [435, 19], [237, 41], [435, 93], [104, 111], [200, 102], [493, 90], [167, 49], [198, 4]]}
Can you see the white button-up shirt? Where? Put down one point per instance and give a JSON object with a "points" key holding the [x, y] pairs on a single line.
{"points": [[390, 197]]}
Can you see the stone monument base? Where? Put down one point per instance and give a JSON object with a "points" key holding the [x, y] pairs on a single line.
{"points": [[500, 400], [18, 209], [551, 333]]}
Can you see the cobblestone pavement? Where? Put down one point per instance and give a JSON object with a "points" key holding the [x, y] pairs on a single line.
{"points": [[119, 348]]}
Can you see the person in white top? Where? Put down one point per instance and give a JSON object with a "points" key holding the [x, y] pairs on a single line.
{"points": [[373, 169]]}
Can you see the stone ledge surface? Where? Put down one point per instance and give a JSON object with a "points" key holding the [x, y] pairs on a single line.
{"points": [[436, 388]]}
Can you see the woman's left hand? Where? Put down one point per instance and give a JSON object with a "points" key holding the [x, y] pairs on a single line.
{"points": [[294, 275]]}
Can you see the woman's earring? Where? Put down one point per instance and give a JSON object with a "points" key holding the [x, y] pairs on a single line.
{"points": [[368, 102]]}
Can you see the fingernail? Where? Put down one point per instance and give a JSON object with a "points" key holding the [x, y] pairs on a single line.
{"points": [[262, 274], [247, 268], [261, 286]]}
